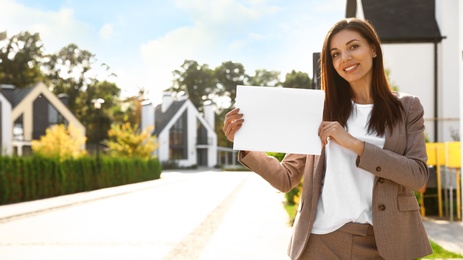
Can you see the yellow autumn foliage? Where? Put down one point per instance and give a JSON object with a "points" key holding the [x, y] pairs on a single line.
{"points": [[60, 142], [128, 141]]}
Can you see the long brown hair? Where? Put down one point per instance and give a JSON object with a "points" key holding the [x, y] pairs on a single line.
{"points": [[387, 109]]}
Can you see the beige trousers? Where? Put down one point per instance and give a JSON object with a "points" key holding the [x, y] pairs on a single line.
{"points": [[351, 241]]}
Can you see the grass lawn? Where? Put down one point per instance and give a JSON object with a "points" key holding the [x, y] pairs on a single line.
{"points": [[439, 252]]}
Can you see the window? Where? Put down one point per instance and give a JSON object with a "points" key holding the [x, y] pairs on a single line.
{"points": [[178, 139], [18, 129], [201, 133]]}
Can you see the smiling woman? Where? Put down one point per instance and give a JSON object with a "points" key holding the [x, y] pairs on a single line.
{"points": [[373, 157]]}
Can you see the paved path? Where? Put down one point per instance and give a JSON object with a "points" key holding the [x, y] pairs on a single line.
{"points": [[194, 215], [190, 215], [447, 234]]}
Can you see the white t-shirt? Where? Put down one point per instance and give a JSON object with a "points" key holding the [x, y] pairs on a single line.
{"points": [[347, 191]]}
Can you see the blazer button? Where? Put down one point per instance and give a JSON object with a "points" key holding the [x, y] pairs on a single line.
{"points": [[381, 207], [378, 169], [381, 180]]}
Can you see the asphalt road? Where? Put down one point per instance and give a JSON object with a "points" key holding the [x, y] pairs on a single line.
{"points": [[183, 215]]}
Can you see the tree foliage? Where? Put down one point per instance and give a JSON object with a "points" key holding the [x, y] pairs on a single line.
{"points": [[297, 80], [60, 142], [128, 141], [268, 78], [68, 71], [196, 81], [229, 75], [20, 59]]}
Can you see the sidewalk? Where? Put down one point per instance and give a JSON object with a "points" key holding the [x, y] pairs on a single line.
{"points": [[250, 223], [24, 209], [447, 234]]}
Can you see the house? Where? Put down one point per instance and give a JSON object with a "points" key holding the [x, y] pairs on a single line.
{"points": [[5, 126], [27, 113], [422, 47], [184, 135]]}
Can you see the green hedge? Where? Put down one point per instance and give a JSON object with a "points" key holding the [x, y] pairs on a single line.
{"points": [[32, 178]]}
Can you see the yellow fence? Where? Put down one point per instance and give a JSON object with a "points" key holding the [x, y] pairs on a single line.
{"points": [[448, 156]]}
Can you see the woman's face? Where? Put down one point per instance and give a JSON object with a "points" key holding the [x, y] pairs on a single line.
{"points": [[352, 57]]}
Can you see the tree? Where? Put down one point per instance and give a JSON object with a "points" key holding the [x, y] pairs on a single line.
{"points": [[195, 80], [127, 141], [297, 80], [20, 59], [60, 142], [98, 121], [229, 75], [69, 72], [264, 77]]}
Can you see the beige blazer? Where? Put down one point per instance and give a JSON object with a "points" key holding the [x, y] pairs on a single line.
{"points": [[399, 168]]}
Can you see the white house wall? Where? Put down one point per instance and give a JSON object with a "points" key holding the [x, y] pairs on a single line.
{"points": [[7, 127], [460, 66], [192, 134], [411, 69], [212, 137], [447, 19]]}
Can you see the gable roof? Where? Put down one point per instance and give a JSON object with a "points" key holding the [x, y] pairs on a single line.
{"points": [[162, 119], [400, 21], [15, 95]]}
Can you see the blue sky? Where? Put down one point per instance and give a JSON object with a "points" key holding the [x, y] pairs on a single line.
{"points": [[144, 41]]}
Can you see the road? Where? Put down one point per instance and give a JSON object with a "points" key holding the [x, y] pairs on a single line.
{"points": [[183, 215]]}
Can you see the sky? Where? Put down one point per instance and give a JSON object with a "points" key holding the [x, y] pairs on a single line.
{"points": [[144, 41]]}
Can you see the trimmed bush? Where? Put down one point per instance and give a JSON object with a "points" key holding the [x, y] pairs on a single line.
{"points": [[32, 178]]}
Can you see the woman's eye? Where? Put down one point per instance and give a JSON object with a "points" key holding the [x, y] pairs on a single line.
{"points": [[354, 46], [334, 55]]}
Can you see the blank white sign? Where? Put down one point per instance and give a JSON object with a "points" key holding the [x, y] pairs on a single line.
{"points": [[282, 120]]}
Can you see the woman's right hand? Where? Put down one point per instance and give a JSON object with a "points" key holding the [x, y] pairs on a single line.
{"points": [[232, 123]]}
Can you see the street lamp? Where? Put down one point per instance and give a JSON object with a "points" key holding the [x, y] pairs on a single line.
{"points": [[97, 105]]}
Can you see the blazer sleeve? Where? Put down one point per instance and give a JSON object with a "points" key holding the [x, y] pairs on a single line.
{"points": [[407, 166], [283, 176]]}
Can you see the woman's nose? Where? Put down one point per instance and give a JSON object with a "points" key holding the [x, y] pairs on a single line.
{"points": [[346, 56]]}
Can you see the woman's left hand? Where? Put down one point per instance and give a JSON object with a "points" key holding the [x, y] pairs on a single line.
{"points": [[334, 131]]}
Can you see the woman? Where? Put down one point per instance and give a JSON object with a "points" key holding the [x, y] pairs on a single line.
{"points": [[357, 200]]}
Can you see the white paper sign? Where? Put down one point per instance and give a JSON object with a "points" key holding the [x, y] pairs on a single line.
{"points": [[279, 119]]}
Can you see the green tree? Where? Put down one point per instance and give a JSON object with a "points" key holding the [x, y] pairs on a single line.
{"points": [[229, 75], [264, 77], [128, 141], [195, 80], [69, 72], [98, 121], [20, 59], [297, 80]]}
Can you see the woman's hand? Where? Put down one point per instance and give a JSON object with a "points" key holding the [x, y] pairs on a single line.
{"points": [[334, 131], [232, 123]]}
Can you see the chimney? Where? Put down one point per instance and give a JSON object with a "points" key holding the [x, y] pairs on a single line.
{"points": [[209, 114], [8, 92], [167, 100], [147, 115], [64, 99]]}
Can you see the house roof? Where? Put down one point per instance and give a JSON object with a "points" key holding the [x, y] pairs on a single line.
{"points": [[162, 119], [15, 95], [400, 21]]}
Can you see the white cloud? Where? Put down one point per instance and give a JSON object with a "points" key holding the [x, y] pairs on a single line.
{"points": [[106, 31], [57, 29]]}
